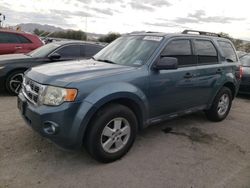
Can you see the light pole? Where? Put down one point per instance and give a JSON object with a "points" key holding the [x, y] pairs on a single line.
{"points": [[2, 18]]}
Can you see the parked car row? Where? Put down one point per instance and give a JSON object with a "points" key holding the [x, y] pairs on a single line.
{"points": [[245, 80], [137, 80], [13, 66]]}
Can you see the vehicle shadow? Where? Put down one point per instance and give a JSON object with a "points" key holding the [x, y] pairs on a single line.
{"points": [[243, 96]]}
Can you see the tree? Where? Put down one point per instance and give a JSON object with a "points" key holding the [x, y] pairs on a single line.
{"points": [[237, 42], [69, 34], [109, 37]]}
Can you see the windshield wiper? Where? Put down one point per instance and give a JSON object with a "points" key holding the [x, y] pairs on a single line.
{"points": [[93, 57], [106, 61]]}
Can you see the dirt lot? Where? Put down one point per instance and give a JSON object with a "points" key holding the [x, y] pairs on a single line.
{"points": [[195, 153]]}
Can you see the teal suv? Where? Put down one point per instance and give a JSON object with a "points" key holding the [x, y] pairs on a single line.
{"points": [[138, 80]]}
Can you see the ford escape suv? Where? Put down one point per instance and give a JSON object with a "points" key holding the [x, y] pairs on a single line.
{"points": [[137, 80]]}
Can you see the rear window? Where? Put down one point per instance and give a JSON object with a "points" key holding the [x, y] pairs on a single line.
{"points": [[245, 60], [228, 51], [23, 39]]}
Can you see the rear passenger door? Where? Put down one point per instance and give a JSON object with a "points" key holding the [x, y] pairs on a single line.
{"points": [[209, 70], [174, 90]]}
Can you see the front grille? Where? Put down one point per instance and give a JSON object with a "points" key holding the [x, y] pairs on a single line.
{"points": [[31, 90]]}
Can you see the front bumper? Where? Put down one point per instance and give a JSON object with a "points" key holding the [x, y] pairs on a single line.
{"points": [[67, 117]]}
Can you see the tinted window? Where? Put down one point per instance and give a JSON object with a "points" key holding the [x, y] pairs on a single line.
{"points": [[8, 38], [23, 39], [205, 52], [90, 50], [71, 51], [228, 51], [180, 49]]}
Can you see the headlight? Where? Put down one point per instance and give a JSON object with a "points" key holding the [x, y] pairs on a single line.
{"points": [[55, 96]]}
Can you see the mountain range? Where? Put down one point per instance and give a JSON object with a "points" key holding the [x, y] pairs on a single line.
{"points": [[30, 27]]}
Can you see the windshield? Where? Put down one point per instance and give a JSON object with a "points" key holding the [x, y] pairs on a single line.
{"points": [[245, 60], [129, 50], [44, 50]]}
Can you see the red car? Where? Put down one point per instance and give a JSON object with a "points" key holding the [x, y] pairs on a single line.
{"points": [[18, 42]]}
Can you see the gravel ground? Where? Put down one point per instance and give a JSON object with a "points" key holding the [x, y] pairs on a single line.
{"points": [[186, 152]]}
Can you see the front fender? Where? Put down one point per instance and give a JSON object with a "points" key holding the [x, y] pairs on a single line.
{"points": [[109, 93]]}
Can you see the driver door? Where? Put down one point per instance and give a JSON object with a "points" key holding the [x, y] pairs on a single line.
{"points": [[174, 90]]}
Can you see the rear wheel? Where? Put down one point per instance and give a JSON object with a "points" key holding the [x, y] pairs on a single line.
{"points": [[112, 133], [221, 105], [14, 82]]}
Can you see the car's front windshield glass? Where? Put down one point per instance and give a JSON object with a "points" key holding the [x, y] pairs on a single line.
{"points": [[129, 50], [44, 50], [245, 60]]}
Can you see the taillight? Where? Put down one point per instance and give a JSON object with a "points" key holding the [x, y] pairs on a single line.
{"points": [[241, 72]]}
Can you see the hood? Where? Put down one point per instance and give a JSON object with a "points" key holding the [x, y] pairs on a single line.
{"points": [[64, 73], [13, 57]]}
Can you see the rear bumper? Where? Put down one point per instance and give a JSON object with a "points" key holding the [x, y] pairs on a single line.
{"points": [[244, 89], [65, 117], [245, 84]]}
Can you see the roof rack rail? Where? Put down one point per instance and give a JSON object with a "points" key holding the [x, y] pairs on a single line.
{"points": [[201, 33]]}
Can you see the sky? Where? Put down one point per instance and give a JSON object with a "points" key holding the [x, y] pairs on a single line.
{"points": [[123, 16]]}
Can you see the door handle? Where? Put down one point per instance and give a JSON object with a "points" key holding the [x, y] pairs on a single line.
{"points": [[219, 71], [188, 75], [18, 47]]}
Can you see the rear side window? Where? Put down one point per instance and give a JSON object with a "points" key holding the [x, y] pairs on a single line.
{"points": [[180, 49], [9, 38], [70, 51], [206, 52], [23, 39], [228, 51], [89, 50]]}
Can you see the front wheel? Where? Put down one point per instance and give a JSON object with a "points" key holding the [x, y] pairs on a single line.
{"points": [[221, 105], [14, 82], [112, 133]]}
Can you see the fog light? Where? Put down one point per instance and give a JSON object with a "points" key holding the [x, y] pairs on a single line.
{"points": [[50, 128]]}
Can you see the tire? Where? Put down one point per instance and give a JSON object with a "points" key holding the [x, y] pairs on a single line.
{"points": [[221, 105], [13, 82], [103, 141]]}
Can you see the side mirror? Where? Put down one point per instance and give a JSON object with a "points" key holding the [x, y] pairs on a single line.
{"points": [[166, 63], [54, 56]]}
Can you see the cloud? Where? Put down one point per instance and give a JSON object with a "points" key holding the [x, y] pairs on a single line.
{"points": [[55, 18], [148, 5], [107, 11], [98, 1], [200, 17], [140, 6]]}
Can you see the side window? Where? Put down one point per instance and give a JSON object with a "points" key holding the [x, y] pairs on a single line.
{"points": [[180, 49], [70, 51], [205, 52], [228, 51], [9, 38], [90, 50], [23, 39]]}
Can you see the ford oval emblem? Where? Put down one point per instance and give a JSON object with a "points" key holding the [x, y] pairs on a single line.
{"points": [[28, 88]]}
